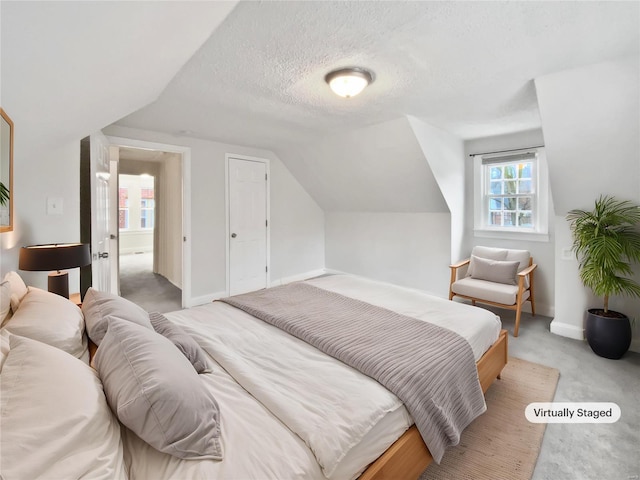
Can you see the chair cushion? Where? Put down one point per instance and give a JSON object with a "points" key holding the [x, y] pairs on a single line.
{"points": [[502, 254], [490, 291], [494, 270], [486, 252]]}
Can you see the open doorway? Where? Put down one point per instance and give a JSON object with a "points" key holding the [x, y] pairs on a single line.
{"points": [[150, 228]]}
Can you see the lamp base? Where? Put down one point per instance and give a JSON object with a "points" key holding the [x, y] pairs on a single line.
{"points": [[58, 283]]}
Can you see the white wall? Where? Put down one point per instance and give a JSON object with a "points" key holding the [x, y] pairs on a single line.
{"points": [[591, 122], [297, 223], [445, 154], [168, 257], [409, 249], [42, 171], [543, 252], [57, 90]]}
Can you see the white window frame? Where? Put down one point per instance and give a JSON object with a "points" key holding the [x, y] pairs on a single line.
{"points": [[151, 210], [540, 201]]}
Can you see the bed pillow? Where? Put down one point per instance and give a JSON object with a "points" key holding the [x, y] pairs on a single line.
{"points": [[155, 392], [50, 319], [55, 420], [494, 270], [5, 301], [181, 339], [4, 346], [18, 289], [97, 306]]}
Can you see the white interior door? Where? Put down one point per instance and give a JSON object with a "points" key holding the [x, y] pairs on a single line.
{"points": [[248, 227], [100, 211]]}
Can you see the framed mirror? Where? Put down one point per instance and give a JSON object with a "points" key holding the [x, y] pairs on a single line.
{"points": [[6, 173]]}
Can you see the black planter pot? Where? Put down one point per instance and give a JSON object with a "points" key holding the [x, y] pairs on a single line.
{"points": [[608, 336]]}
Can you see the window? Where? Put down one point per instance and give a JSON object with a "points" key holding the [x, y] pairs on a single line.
{"points": [[123, 208], [147, 205], [511, 194]]}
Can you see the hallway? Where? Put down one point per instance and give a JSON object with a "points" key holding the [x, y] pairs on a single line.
{"points": [[151, 291]]}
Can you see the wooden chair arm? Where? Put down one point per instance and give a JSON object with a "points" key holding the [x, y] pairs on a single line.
{"points": [[461, 263], [528, 270]]}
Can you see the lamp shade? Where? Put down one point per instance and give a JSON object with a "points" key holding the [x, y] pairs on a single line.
{"points": [[57, 256]]}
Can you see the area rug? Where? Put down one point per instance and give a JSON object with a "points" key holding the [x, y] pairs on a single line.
{"points": [[501, 444]]}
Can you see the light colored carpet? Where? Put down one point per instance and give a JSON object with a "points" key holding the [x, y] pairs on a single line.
{"points": [[501, 444], [151, 291]]}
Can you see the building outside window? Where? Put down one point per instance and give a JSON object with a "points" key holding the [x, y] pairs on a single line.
{"points": [[123, 208]]}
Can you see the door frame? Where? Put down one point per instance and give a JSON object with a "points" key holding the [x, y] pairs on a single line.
{"points": [[267, 165], [186, 202]]}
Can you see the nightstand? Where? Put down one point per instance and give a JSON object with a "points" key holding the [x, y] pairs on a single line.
{"points": [[75, 298]]}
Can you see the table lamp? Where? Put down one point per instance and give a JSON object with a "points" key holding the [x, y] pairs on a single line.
{"points": [[57, 256]]}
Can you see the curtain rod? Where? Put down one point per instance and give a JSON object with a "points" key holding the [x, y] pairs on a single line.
{"points": [[506, 151]]}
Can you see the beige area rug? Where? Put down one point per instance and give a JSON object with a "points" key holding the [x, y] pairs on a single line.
{"points": [[501, 444]]}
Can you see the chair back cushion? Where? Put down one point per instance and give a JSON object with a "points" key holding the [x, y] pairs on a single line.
{"points": [[488, 253], [497, 271], [501, 254]]}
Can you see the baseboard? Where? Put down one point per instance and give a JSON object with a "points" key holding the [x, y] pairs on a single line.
{"points": [[566, 330], [195, 301]]}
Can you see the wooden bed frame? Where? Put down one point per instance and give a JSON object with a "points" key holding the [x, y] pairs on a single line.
{"points": [[409, 456]]}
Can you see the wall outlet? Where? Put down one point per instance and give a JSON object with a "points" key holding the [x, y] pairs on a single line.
{"points": [[567, 253], [54, 206]]}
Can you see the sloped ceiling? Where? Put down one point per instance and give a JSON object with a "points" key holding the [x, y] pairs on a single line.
{"points": [[465, 67], [379, 168], [71, 68], [252, 73]]}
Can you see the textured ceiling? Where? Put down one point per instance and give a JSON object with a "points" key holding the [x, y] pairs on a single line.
{"points": [[465, 67]]}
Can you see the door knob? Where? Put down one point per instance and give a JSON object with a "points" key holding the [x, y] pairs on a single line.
{"points": [[233, 235]]}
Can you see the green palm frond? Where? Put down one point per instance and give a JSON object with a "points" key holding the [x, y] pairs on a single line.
{"points": [[4, 194], [606, 243]]}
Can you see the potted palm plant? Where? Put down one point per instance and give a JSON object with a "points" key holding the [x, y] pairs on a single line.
{"points": [[606, 243], [4, 194]]}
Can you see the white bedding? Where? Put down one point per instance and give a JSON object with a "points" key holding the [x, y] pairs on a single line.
{"points": [[327, 417]]}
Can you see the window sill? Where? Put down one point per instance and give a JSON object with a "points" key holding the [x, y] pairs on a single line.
{"points": [[528, 236]]}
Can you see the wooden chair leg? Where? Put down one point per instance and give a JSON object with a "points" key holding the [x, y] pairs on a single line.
{"points": [[517, 327]]}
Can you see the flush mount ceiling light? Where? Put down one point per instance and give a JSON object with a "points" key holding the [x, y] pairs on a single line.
{"points": [[348, 82]]}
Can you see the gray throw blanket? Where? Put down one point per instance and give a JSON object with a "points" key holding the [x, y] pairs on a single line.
{"points": [[431, 369]]}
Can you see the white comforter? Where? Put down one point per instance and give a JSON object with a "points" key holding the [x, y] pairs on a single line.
{"points": [[328, 419]]}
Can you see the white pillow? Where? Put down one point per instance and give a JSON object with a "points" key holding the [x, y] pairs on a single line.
{"points": [[51, 319], [18, 289], [55, 420], [4, 347], [496, 271], [156, 393], [97, 306], [5, 301]]}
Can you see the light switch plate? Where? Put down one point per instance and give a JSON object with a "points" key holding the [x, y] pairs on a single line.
{"points": [[54, 205], [567, 253]]}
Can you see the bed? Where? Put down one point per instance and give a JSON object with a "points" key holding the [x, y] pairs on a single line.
{"points": [[278, 397]]}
